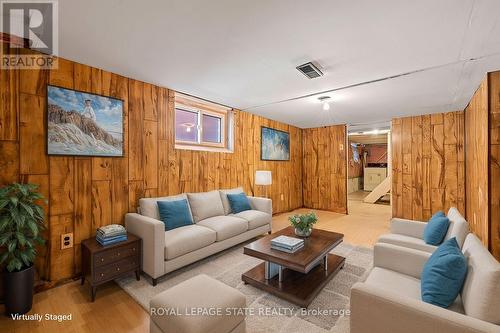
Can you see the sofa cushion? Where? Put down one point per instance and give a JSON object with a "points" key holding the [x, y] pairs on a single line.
{"points": [[225, 201], [444, 274], [205, 204], [436, 229], [407, 241], [255, 218], [187, 239], [225, 226], [459, 228], [401, 284], [238, 202], [404, 285], [149, 207], [175, 214], [481, 290]]}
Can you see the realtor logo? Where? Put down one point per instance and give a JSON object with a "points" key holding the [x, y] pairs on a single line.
{"points": [[32, 26]]}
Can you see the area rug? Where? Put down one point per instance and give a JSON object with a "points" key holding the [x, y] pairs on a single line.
{"points": [[327, 313]]}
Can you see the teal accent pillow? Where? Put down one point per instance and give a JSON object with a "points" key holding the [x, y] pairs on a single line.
{"points": [[174, 214], [238, 202], [444, 274], [436, 229], [439, 213]]}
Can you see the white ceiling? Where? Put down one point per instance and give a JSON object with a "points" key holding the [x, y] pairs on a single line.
{"points": [[243, 53]]}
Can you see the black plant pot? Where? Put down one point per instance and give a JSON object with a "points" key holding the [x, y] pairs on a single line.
{"points": [[18, 291]]}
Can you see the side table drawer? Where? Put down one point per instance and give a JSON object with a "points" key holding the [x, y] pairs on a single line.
{"points": [[114, 269], [112, 255]]}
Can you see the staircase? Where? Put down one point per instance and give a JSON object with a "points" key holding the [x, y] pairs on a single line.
{"points": [[382, 189]]}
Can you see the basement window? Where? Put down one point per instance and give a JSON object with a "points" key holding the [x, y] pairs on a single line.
{"points": [[202, 125]]}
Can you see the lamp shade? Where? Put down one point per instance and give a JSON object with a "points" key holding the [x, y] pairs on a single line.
{"points": [[263, 177]]}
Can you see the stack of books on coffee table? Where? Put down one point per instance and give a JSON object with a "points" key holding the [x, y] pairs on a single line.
{"points": [[287, 244]]}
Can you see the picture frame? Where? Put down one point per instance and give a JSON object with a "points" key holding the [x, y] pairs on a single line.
{"points": [[80, 123], [274, 144]]}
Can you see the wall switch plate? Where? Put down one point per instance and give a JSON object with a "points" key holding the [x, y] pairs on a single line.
{"points": [[66, 241], [282, 197]]}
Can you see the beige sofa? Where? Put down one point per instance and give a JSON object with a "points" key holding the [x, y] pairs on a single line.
{"points": [[409, 233], [389, 300], [214, 229]]}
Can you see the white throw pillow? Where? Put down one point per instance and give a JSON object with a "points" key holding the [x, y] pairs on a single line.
{"points": [[204, 205]]}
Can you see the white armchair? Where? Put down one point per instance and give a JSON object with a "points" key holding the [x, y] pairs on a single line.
{"points": [[389, 300], [409, 233]]}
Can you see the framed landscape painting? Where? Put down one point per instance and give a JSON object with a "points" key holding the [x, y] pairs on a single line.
{"points": [[83, 124], [275, 145]]}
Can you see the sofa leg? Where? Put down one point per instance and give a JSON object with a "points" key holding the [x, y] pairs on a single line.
{"points": [[155, 282]]}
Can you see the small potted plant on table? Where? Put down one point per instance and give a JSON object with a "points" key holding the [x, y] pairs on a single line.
{"points": [[21, 221], [303, 223]]}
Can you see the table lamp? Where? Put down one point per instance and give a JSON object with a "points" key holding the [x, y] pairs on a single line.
{"points": [[263, 178]]}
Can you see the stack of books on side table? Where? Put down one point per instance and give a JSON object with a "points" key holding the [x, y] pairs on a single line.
{"points": [[111, 234], [287, 244]]}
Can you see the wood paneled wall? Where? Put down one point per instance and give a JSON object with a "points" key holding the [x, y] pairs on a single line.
{"points": [[428, 168], [476, 162], [483, 162], [85, 193], [355, 169], [494, 163], [325, 168]]}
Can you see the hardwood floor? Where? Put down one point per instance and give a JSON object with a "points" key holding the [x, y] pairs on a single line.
{"points": [[115, 311]]}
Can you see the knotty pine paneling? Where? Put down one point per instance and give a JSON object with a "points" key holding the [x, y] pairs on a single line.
{"points": [[476, 147], [85, 193], [494, 164], [428, 165], [9, 104], [355, 169], [482, 146], [325, 168]]}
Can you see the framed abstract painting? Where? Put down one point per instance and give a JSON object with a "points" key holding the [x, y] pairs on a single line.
{"points": [[83, 124], [275, 145]]}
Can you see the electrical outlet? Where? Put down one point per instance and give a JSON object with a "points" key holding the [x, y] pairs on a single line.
{"points": [[282, 197], [66, 241]]}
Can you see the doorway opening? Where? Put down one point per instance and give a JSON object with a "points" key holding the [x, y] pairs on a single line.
{"points": [[368, 167]]}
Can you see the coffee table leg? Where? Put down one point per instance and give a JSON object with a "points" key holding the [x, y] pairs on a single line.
{"points": [[272, 270], [280, 274], [325, 262]]}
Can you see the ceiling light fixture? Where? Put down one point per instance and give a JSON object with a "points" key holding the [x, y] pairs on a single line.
{"points": [[324, 100]]}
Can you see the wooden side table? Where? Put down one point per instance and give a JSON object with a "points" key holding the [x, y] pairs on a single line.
{"points": [[101, 264]]}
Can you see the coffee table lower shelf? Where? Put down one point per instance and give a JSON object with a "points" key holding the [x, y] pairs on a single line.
{"points": [[296, 287]]}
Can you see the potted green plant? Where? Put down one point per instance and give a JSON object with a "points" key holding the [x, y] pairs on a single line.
{"points": [[303, 223], [21, 223]]}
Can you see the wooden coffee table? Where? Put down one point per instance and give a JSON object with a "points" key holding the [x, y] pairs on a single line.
{"points": [[296, 277]]}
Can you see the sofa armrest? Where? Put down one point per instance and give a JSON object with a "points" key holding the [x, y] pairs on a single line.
{"points": [[408, 227], [263, 204], [374, 310], [152, 233], [400, 259]]}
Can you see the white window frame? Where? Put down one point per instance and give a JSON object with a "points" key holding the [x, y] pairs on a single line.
{"points": [[201, 107]]}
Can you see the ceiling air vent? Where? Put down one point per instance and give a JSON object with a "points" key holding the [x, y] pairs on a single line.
{"points": [[309, 70]]}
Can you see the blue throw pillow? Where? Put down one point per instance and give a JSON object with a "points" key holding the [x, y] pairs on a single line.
{"points": [[436, 229], [444, 274], [238, 202], [174, 214], [439, 213]]}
